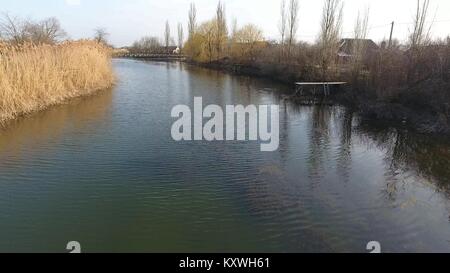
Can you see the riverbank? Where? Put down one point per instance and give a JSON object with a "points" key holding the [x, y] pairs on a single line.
{"points": [[423, 107], [34, 77]]}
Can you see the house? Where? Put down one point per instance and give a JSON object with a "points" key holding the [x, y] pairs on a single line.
{"points": [[347, 49]]}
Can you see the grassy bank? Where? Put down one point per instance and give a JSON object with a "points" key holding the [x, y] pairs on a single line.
{"points": [[34, 77]]}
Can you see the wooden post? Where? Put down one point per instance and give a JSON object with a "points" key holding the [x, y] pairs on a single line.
{"points": [[390, 37]]}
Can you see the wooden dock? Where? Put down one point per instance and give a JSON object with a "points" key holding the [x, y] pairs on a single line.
{"points": [[316, 87]]}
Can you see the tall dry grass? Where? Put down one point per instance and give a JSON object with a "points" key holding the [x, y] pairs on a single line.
{"points": [[34, 77]]}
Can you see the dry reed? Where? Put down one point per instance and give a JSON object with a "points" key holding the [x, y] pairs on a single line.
{"points": [[34, 77]]}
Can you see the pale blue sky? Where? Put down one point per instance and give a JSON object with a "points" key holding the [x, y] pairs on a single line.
{"points": [[127, 20]]}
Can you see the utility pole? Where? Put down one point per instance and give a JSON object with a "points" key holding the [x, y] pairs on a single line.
{"points": [[390, 37]]}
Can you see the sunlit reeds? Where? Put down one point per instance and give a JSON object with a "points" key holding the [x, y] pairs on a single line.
{"points": [[33, 77]]}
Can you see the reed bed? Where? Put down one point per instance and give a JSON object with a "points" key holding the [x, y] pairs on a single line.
{"points": [[34, 77]]}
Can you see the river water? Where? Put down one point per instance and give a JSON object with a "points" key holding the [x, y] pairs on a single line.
{"points": [[104, 171]]}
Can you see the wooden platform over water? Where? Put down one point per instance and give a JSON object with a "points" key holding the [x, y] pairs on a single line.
{"points": [[316, 88], [320, 83], [311, 93]]}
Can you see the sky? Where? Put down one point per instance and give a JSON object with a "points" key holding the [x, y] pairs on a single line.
{"points": [[129, 20]]}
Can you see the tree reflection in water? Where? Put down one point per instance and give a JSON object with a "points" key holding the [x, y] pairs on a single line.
{"points": [[413, 154]]}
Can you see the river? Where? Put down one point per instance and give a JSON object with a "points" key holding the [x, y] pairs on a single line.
{"points": [[104, 171]]}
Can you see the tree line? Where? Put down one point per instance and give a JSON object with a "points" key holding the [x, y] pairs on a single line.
{"points": [[18, 31], [414, 75]]}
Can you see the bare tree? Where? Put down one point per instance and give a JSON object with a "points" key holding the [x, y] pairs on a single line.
{"points": [[234, 28], [419, 38], [53, 30], [222, 31], [12, 29], [283, 21], [47, 31], [192, 22], [421, 32], [282, 27], [360, 45], [292, 24], [147, 45], [167, 36], [15, 30], [101, 35], [330, 33], [180, 36], [232, 40]]}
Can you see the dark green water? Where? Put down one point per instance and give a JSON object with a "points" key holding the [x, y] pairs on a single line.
{"points": [[104, 171]]}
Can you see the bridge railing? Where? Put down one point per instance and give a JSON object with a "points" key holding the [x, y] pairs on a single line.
{"points": [[152, 56]]}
